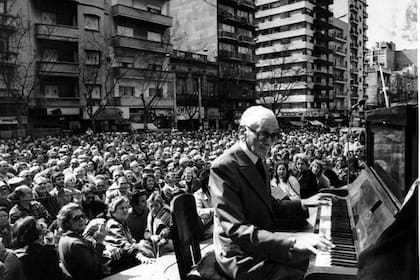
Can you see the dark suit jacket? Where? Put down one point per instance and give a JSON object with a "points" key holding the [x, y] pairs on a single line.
{"points": [[246, 244]]}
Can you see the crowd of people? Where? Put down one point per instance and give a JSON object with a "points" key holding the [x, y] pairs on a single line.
{"points": [[86, 206]]}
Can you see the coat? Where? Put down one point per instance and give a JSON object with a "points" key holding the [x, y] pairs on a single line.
{"points": [[246, 217]]}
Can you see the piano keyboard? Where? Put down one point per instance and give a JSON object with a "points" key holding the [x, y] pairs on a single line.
{"points": [[338, 230]]}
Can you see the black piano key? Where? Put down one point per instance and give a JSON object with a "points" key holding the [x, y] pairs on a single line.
{"points": [[343, 264]]}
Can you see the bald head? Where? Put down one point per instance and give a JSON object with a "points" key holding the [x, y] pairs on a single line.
{"points": [[258, 116]]}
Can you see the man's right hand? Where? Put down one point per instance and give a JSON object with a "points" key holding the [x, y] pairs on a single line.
{"points": [[312, 243]]}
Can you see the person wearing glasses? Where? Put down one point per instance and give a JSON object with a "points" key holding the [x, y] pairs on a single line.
{"points": [[80, 258], [247, 245]]}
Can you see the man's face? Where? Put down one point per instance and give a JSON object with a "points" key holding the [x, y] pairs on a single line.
{"points": [[259, 138], [142, 203]]}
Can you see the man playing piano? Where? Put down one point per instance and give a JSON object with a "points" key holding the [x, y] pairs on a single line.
{"points": [[246, 216]]}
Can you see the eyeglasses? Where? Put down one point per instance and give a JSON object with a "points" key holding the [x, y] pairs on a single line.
{"points": [[264, 134], [79, 217]]}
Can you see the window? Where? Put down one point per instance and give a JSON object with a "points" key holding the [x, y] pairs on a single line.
{"points": [[2, 6], [92, 57], [92, 22], [158, 92], [195, 84], [94, 91], [154, 9], [153, 36], [181, 85], [48, 18], [211, 87], [126, 91], [228, 28], [51, 91], [125, 31], [154, 66], [50, 55]]}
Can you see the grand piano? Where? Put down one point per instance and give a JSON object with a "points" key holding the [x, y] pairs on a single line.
{"points": [[375, 227]]}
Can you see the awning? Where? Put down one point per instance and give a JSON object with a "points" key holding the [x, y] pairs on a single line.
{"points": [[109, 114], [316, 123], [295, 123]]}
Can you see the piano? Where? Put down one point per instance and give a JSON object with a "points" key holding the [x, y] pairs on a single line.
{"points": [[356, 223]]}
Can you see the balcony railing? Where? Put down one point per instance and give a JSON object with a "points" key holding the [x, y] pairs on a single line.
{"points": [[158, 75], [138, 14], [229, 54], [58, 68], [227, 35], [58, 101], [190, 56], [247, 3], [57, 32], [246, 39], [141, 44], [7, 22], [227, 15]]}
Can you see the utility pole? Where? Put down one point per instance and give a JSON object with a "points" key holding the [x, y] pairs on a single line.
{"points": [[200, 121]]}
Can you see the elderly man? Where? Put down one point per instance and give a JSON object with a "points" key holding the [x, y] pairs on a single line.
{"points": [[247, 245]]}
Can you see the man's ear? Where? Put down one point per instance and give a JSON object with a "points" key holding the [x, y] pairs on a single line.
{"points": [[241, 132]]}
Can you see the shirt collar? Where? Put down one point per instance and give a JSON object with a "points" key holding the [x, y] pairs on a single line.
{"points": [[253, 157]]}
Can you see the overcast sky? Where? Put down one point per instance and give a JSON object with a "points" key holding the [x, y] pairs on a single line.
{"points": [[388, 20]]}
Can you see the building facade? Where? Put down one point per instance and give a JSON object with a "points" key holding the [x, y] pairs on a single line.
{"points": [[224, 31], [196, 91], [399, 72], [107, 60], [295, 62]]}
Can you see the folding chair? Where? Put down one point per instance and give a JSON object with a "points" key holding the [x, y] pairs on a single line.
{"points": [[186, 233]]}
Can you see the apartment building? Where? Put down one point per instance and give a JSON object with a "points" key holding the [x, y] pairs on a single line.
{"points": [[357, 17], [341, 59], [223, 30], [109, 59], [397, 70], [295, 63], [196, 91]]}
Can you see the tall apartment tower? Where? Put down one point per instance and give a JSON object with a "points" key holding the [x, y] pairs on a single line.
{"points": [[341, 58], [295, 62], [223, 30], [357, 16]]}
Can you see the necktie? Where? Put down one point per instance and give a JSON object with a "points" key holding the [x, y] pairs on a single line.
{"points": [[260, 168]]}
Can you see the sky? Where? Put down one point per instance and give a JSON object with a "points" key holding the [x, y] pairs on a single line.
{"points": [[388, 20]]}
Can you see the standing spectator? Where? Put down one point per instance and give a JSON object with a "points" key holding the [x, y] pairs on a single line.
{"points": [[39, 262], [137, 215], [204, 205], [79, 257], [41, 195], [5, 228], [92, 207], [5, 175], [62, 194], [306, 178], [189, 183], [4, 193], [26, 206]]}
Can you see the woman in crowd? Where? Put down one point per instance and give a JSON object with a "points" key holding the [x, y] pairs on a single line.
{"points": [[39, 262], [26, 206], [306, 179], [159, 221], [284, 185], [149, 184], [204, 206], [119, 238], [5, 228], [322, 181], [189, 183], [80, 258], [171, 187]]}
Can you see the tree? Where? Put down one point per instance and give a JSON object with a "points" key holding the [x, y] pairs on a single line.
{"points": [[97, 75], [276, 83]]}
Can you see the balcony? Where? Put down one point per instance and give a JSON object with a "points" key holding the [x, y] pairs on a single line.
{"points": [[322, 36], [56, 32], [341, 66], [57, 101], [323, 11], [353, 8], [365, 38], [341, 37], [189, 56], [142, 15], [247, 4], [365, 26], [226, 35], [227, 16], [141, 44], [8, 59], [148, 74], [246, 21], [246, 39], [7, 22], [353, 45], [58, 68], [229, 55], [365, 14], [322, 49]]}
